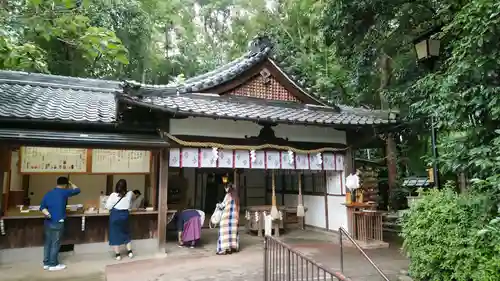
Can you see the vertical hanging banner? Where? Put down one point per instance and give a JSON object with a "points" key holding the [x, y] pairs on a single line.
{"points": [[190, 157], [302, 161], [315, 162], [273, 160], [328, 161], [226, 158], [207, 159], [174, 157], [287, 162], [241, 159], [260, 159], [339, 162]]}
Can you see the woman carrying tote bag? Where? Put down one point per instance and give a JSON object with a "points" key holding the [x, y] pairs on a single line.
{"points": [[118, 205]]}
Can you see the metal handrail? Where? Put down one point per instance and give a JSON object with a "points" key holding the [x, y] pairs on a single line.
{"points": [[344, 231], [290, 262]]}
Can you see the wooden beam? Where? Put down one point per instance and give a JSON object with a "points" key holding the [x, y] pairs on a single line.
{"points": [[163, 199], [349, 167]]}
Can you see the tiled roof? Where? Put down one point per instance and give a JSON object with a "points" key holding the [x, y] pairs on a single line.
{"points": [[49, 97], [243, 108], [259, 51], [183, 98]]}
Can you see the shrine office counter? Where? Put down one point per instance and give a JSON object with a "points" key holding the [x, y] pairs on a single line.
{"points": [[20, 230]]}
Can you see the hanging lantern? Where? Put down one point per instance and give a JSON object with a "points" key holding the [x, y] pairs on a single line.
{"points": [[253, 157], [319, 159], [215, 153], [290, 157], [225, 179]]}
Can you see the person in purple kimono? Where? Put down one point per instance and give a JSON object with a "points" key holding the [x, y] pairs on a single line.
{"points": [[189, 223]]}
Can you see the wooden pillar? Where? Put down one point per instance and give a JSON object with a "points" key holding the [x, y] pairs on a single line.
{"points": [[326, 201], [5, 158], [349, 165], [163, 196]]}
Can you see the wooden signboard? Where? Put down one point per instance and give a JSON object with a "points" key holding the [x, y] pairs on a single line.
{"points": [[108, 161], [52, 160]]}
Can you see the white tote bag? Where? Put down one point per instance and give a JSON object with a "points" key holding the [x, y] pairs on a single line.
{"points": [[217, 215]]}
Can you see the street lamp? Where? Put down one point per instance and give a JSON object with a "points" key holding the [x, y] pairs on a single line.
{"points": [[427, 50]]}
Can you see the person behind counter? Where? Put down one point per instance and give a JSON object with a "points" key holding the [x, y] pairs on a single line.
{"points": [[189, 223], [137, 201], [118, 205], [53, 206]]}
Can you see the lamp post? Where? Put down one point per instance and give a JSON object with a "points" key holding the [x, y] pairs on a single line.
{"points": [[427, 50]]}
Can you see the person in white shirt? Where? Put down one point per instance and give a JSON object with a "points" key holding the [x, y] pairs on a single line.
{"points": [[118, 205], [137, 201]]}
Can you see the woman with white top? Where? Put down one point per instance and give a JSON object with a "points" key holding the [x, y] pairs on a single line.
{"points": [[118, 205]]}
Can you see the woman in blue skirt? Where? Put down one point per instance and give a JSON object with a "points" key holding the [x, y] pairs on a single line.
{"points": [[118, 205]]}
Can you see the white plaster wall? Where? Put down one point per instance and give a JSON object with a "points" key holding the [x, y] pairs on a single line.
{"points": [[195, 126], [315, 215], [337, 213]]}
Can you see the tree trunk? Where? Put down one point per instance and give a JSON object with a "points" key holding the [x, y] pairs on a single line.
{"points": [[385, 69]]}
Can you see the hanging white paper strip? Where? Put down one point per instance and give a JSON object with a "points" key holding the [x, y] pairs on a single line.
{"points": [[259, 160], [206, 158], [315, 164], [285, 161], [301, 161], [225, 158], [328, 161], [339, 162], [174, 157], [241, 159], [273, 160], [190, 157]]}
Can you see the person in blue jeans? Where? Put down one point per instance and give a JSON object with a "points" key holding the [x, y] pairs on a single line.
{"points": [[53, 206]]}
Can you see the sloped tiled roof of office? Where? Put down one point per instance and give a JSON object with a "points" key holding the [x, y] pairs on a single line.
{"points": [[58, 98]]}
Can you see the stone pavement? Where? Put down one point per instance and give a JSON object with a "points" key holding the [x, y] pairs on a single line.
{"points": [[201, 264]]}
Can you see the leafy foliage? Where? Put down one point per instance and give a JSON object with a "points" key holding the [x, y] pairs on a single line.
{"points": [[56, 36], [444, 237]]}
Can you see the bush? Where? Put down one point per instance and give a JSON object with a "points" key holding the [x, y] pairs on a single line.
{"points": [[450, 236]]}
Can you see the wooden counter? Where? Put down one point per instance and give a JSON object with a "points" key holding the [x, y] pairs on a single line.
{"points": [[26, 229]]}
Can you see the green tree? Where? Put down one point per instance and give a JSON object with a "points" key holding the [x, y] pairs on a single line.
{"points": [[55, 36]]}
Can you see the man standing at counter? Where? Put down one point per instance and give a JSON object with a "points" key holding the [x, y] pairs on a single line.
{"points": [[53, 206]]}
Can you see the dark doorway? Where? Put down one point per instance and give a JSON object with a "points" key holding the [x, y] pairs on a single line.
{"points": [[211, 194]]}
